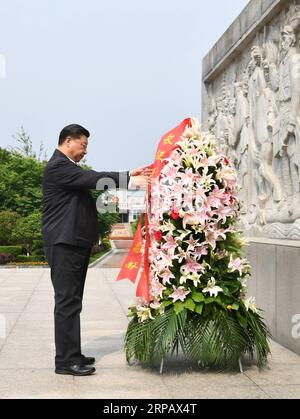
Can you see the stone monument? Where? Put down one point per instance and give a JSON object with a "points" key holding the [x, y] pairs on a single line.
{"points": [[251, 103]]}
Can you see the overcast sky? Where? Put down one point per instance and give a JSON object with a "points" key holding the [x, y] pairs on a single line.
{"points": [[128, 70]]}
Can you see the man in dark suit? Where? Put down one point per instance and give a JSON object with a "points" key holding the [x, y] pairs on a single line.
{"points": [[70, 229]]}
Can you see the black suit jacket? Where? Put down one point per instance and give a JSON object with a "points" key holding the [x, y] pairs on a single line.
{"points": [[69, 210]]}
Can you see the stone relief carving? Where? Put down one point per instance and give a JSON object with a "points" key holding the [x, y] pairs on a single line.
{"points": [[256, 119]]}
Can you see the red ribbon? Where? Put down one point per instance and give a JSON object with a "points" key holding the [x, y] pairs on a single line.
{"points": [[133, 261]]}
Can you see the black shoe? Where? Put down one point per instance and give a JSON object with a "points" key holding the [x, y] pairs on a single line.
{"points": [[87, 360], [79, 370]]}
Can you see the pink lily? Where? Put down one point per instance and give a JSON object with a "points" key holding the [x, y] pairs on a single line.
{"points": [[157, 289], [167, 276], [179, 294], [236, 265]]}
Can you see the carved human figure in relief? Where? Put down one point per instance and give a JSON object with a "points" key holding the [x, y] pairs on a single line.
{"points": [[270, 183], [212, 114], [241, 141], [230, 132], [258, 105], [287, 141], [221, 125], [263, 116]]}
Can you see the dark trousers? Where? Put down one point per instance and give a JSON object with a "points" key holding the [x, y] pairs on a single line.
{"points": [[69, 266]]}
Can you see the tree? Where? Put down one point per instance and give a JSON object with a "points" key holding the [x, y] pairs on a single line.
{"points": [[8, 221], [27, 230], [106, 221], [25, 144], [20, 183], [25, 147]]}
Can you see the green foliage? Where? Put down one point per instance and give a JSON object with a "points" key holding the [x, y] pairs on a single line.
{"points": [[37, 248], [8, 220], [12, 250], [150, 341], [27, 230], [106, 243], [216, 340], [106, 221], [20, 183], [189, 304], [25, 147], [198, 297]]}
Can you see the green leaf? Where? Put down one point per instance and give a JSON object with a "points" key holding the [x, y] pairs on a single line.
{"points": [[242, 320], [207, 309], [198, 297], [219, 301], [233, 286], [178, 307], [168, 292], [167, 303], [235, 306], [209, 300], [199, 308], [189, 304], [226, 291]]}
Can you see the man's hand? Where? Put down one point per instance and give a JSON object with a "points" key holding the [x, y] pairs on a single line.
{"points": [[140, 182], [141, 177], [142, 171]]}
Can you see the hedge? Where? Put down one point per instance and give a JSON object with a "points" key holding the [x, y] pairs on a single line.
{"points": [[12, 250]]}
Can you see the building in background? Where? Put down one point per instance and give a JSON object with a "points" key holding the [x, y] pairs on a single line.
{"points": [[131, 204]]}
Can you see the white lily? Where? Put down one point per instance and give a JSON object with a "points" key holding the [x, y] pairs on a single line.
{"points": [[183, 234], [183, 279], [250, 304], [196, 278], [168, 226], [212, 288], [244, 283], [144, 313]]}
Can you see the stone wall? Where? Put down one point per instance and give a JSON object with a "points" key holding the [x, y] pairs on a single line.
{"points": [[251, 103]]}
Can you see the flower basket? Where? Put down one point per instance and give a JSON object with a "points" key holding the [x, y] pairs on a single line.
{"points": [[198, 302]]}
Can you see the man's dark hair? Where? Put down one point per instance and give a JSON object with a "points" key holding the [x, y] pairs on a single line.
{"points": [[74, 131]]}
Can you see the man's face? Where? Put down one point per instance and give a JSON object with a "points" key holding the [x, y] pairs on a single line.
{"points": [[77, 147]]}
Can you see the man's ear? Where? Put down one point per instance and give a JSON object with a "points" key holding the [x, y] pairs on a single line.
{"points": [[68, 141]]}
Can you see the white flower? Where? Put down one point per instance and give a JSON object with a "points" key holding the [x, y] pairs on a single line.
{"points": [[212, 288], [143, 313], [168, 226], [243, 241], [244, 283], [183, 234], [194, 131], [183, 278], [196, 278], [250, 304]]}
